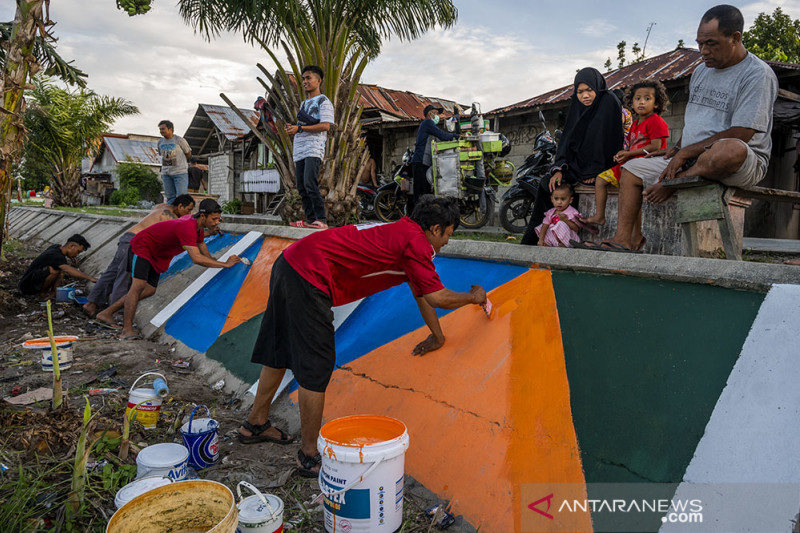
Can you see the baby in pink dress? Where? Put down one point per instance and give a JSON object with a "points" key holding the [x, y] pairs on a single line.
{"points": [[559, 226]]}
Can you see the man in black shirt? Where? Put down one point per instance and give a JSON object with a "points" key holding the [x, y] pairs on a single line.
{"points": [[197, 180], [46, 271]]}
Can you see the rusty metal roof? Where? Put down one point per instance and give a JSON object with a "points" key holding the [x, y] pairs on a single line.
{"points": [[673, 65], [210, 119], [390, 105], [137, 151]]}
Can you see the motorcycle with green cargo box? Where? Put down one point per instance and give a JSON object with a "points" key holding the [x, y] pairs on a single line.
{"points": [[471, 169]]}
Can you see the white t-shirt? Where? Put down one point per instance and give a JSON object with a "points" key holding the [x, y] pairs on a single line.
{"points": [[307, 144], [739, 96], [173, 155]]}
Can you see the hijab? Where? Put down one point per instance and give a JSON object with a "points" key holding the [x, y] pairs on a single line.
{"points": [[592, 135]]}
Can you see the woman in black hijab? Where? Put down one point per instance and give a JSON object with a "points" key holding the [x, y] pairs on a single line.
{"points": [[592, 135]]}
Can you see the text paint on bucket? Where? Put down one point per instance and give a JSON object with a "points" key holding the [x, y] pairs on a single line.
{"points": [[362, 475]]}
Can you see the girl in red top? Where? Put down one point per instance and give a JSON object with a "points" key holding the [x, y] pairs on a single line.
{"points": [[647, 98]]}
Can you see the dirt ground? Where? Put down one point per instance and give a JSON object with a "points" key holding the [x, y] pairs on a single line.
{"points": [[37, 445]]}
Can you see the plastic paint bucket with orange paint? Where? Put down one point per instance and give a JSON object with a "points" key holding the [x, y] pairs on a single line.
{"points": [[362, 475], [63, 349]]}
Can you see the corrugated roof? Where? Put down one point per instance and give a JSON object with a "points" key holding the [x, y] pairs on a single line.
{"points": [[228, 122], [123, 149], [671, 66], [402, 105]]}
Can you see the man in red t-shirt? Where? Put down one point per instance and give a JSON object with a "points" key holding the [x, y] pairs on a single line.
{"points": [[332, 268], [151, 252]]}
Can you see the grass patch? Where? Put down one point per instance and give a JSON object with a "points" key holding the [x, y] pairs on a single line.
{"points": [[466, 235], [13, 246], [108, 211]]}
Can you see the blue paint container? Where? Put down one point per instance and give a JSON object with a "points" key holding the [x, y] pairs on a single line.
{"points": [[200, 437]]}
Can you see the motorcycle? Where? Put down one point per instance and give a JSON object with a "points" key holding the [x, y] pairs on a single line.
{"points": [[366, 199], [390, 200], [471, 169], [517, 203]]}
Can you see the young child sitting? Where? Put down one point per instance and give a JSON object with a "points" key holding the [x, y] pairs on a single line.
{"points": [[649, 133], [559, 227]]}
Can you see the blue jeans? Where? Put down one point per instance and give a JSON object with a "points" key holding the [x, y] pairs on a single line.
{"points": [[175, 185]]}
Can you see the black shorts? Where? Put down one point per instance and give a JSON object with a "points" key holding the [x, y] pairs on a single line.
{"points": [[297, 329], [140, 268], [34, 281]]}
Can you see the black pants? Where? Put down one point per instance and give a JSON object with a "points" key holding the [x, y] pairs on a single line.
{"points": [[540, 206], [421, 185], [306, 173]]}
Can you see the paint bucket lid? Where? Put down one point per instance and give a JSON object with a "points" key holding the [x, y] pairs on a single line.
{"points": [[253, 511], [200, 425], [163, 455], [139, 487], [43, 343]]}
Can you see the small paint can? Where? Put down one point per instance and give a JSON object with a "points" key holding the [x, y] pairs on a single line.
{"points": [[63, 349], [201, 439], [146, 401], [167, 459], [139, 487], [260, 513]]}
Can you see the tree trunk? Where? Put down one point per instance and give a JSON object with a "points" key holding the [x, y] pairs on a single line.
{"points": [[20, 64]]}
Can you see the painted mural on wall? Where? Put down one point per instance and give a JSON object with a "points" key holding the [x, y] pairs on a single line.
{"points": [[576, 379]]}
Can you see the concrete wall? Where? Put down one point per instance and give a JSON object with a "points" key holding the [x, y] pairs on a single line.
{"points": [[221, 176]]}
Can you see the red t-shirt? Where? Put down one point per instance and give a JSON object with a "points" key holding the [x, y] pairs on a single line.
{"points": [[352, 262], [642, 133], [161, 242]]}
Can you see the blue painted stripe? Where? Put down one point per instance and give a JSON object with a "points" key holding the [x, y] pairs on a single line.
{"points": [[388, 315], [214, 243], [198, 323]]}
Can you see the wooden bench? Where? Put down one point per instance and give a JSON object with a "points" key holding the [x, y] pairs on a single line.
{"points": [[699, 199]]}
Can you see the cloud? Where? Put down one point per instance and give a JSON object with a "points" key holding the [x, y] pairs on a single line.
{"points": [[597, 28]]}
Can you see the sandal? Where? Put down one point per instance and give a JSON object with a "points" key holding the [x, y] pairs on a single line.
{"points": [[298, 224], [308, 463], [256, 434]]}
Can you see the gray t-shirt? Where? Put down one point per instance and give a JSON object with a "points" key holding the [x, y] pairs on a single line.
{"points": [[737, 96], [173, 155], [308, 144]]}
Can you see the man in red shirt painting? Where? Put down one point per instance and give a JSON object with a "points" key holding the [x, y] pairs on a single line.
{"points": [[332, 268], [150, 254]]}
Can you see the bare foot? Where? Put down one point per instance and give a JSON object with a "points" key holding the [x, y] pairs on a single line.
{"points": [[657, 194], [105, 318], [90, 309], [792, 262], [594, 219]]}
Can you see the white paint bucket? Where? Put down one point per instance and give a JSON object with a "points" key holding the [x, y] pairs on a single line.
{"points": [[63, 349], [167, 459], [146, 401], [260, 513], [139, 487], [362, 475]]}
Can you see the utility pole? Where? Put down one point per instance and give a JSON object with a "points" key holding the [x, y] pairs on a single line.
{"points": [[649, 29]]}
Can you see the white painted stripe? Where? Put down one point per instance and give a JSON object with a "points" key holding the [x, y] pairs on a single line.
{"points": [[340, 314], [753, 436], [165, 314]]}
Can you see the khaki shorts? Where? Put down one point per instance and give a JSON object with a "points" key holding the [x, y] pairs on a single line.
{"points": [[649, 169]]}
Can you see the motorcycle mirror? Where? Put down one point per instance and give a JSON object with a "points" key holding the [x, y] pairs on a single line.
{"points": [[558, 135]]}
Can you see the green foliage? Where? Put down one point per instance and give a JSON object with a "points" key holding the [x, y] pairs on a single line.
{"points": [[134, 7], [140, 177], [680, 44], [63, 127], [774, 37], [621, 53], [44, 51], [607, 65], [128, 196], [234, 207]]}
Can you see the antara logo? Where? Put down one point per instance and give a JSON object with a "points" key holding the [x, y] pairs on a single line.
{"points": [[534, 506]]}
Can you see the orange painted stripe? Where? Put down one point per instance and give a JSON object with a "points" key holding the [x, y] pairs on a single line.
{"points": [[254, 292], [486, 413]]}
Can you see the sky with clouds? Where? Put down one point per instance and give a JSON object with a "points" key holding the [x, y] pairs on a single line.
{"points": [[498, 53]]}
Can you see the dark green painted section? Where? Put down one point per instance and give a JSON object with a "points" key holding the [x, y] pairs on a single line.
{"points": [[234, 348], [646, 361]]}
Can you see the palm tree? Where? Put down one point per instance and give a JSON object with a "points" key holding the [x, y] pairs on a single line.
{"points": [[63, 127], [340, 36], [25, 46]]}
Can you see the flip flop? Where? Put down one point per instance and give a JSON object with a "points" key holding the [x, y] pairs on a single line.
{"points": [[307, 464], [611, 246], [257, 436], [105, 325], [588, 245], [134, 337], [298, 224]]}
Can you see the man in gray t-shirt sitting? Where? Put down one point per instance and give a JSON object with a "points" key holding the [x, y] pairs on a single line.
{"points": [[314, 119], [726, 132]]}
